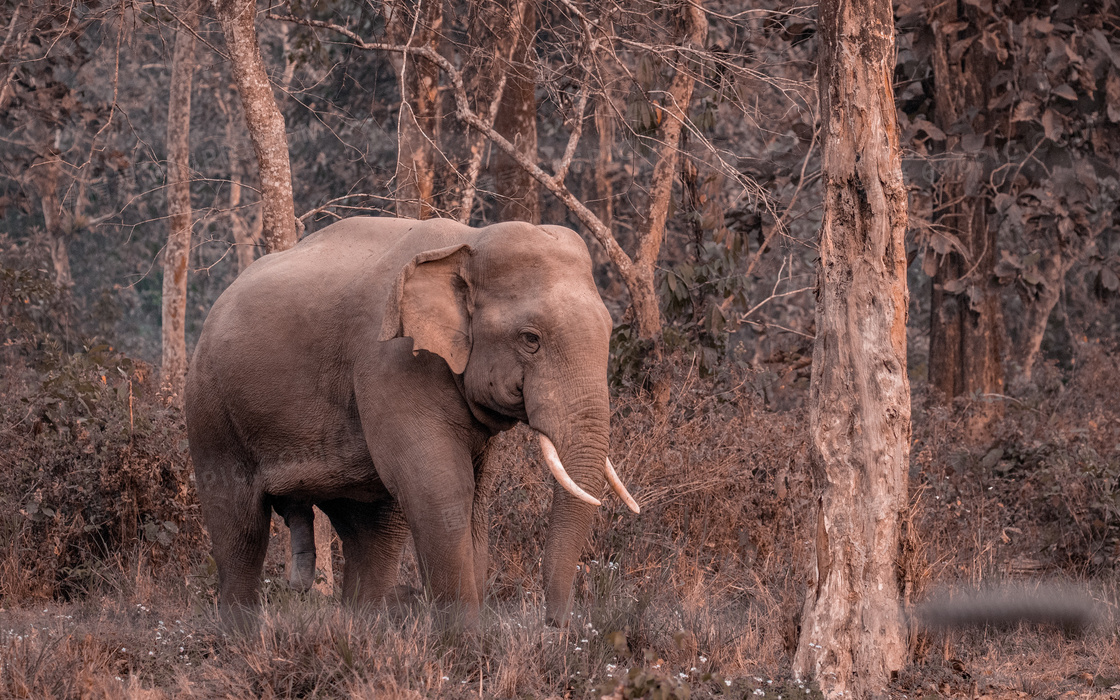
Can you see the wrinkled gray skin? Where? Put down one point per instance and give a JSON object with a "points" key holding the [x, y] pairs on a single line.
{"points": [[305, 389]]}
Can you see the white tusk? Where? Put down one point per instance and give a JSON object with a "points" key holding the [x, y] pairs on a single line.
{"points": [[561, 475], [616, 484]]}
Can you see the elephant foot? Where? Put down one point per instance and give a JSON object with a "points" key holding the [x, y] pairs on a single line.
{"points": [[239, 620], [303, 571], [402, 601]]}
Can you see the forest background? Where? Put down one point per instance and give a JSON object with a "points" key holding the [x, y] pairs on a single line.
{"points": [[684, 146]]}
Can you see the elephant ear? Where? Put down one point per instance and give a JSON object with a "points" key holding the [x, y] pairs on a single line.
{"points": [[431, 303]]}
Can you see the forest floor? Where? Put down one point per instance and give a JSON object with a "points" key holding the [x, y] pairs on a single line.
{"points": [[698, 596], [155, 639]]}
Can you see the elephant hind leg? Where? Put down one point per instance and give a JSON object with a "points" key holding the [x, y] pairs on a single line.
{"points": [[300, 520], [373, 536], [239, 534]]}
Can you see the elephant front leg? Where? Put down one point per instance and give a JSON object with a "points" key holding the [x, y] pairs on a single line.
{"points": [[445, 546]]}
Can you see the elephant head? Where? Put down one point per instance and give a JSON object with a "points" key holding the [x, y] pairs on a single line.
{"points": [[517, 317]]}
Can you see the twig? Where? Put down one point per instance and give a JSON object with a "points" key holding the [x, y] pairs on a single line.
{"points": [[770, 298], [333, 202]]}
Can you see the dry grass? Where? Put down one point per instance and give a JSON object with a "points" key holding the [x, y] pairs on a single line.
{"points": [[699, 594]]}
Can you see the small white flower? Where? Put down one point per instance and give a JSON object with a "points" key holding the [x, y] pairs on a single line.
{"points": [[727, 682], [759, 691], [703, 659]]}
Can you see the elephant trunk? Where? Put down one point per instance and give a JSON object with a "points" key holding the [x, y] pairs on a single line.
{"points": [[579, 432]]}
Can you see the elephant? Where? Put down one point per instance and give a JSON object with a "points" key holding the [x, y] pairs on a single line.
{"points": [[365, 371]]}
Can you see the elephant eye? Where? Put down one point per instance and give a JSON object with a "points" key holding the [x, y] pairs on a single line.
{"points": [[531, 341]]}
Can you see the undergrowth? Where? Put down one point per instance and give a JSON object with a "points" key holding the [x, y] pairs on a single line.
{"points": [[106, 589]]}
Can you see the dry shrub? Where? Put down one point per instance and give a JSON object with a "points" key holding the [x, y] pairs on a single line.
{"points": [[94, 472], [95, 475], [1040, 493], [711, 565]]}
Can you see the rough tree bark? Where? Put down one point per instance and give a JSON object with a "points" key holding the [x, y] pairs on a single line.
{"points": [[265, 122], [966, 316], [517, 121], [173, 368], [418, 125], [852, 635]]}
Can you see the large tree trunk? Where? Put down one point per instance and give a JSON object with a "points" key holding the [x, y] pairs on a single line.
{"points": [[518, 191], [173, 369], [418, 125], [966, 316], [265, 122], [852, 634]]}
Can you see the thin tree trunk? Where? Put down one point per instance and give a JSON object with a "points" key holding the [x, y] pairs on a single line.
{"points": [[418, 125], [265, 122], [647, 306], [497, 29], [517, 121], [244, 241], [324, 560], [604, 127], [966, 324], [173, 368], [1053, 268], [852, 635], [45, 176]]}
